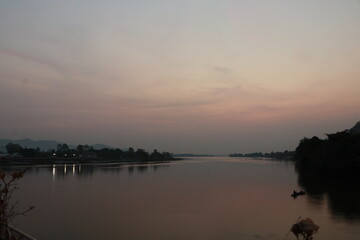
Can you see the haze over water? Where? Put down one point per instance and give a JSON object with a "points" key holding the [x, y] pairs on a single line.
{"points": [[199, 198]]}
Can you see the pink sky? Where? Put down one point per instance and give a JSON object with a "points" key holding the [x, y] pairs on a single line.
{"points": [[179, 76]]}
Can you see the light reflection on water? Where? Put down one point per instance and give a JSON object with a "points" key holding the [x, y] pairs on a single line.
{"points": [[199, 198]]}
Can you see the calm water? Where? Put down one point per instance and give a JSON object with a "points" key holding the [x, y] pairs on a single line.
{"points": [[199, 198]]}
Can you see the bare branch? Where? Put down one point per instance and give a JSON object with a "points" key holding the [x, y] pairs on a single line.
{"points": [[8, 210]]}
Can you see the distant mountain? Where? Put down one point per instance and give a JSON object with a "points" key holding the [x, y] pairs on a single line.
{"points": [[44, 145], [355, 129]]}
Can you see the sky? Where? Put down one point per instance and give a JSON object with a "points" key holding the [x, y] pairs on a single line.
{"points": [[195, 76]]}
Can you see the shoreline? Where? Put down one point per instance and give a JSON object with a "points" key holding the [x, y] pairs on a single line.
{"points": [[6, 161]]}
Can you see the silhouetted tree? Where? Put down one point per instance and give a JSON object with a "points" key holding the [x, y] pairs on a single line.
{"points": [[63, 150], [130, 153], [8, 211], [12, 148], [339, 154], [167, 155], [29, 152], [80, 149], [286, 155], [142, 155], [156, 155]]}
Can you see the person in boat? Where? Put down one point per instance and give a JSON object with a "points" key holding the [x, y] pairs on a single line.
{"points": [[295, 194]]}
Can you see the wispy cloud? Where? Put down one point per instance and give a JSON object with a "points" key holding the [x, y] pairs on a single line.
{"points": [[225, 71], [26, 57]]}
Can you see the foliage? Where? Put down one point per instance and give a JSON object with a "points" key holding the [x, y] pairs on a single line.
{"points": [[87, 152], [330, 167], [12, 148], [8, 209], [339, 154], [276, 155]]}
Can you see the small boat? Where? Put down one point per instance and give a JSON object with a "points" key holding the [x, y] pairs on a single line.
{"points": [[295, 194]]}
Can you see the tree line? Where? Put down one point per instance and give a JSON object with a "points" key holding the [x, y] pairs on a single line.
{"points": [[331, 167], [286, 155], [88, 152], [339, 154]]}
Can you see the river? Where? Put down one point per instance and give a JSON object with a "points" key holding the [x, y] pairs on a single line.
{"points": [[197, 198]]}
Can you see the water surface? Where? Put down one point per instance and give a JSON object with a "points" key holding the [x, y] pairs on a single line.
{"points": [[198, 198]]}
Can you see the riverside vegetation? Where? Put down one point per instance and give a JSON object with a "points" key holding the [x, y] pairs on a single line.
{"points": [[82, 153], [328, 167], [336, 156], [8, 208], [286, 155]]}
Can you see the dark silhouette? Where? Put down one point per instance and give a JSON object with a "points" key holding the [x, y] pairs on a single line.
{"points": [[330, 167], [343, 199], [13, 148], [81, 153], [286, 155], [295, 194], [305, 228], [336, 156], [8, 209]]}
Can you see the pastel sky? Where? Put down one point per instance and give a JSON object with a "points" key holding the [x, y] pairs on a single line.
{"points": [[181, 76]]}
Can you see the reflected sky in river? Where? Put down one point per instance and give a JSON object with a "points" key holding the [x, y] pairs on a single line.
{"points": [[202, 198]]}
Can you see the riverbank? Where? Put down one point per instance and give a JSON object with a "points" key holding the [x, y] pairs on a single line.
{"points": [[18, 161]]}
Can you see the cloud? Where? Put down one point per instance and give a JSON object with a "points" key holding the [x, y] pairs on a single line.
{"points": [[224, 71], [30, 58]]}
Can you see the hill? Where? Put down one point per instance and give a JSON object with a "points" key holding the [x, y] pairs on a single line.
{"points": [[44, 145]]}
